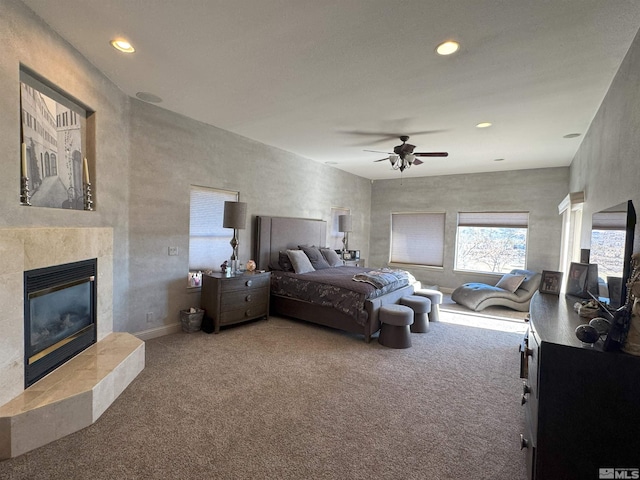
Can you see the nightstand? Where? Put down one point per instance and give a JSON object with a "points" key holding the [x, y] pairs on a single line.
{"points": [[235, 299], [355, 263]]}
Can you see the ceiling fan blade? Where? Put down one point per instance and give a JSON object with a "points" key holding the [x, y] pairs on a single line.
{"points": [[417, 161], [382, 159], [431, 154], [377, 151], [386, 136]]}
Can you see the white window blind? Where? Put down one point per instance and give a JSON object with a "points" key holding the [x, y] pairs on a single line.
{"points": [[208, 241], [494, 219], [417, 238], [335, 236]]}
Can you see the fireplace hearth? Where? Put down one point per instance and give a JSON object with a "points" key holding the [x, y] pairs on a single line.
{"points": [[59, 315]]}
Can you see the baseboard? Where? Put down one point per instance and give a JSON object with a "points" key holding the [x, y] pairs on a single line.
{"points": [[159, 331], [446, 289]]}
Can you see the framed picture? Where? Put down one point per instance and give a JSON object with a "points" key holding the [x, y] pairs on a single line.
{"points": [[551, 282], [54, 145], [347, 255], [577, 280]]}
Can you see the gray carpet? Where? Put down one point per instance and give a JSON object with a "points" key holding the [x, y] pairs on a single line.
{"points": [[286, 399]]}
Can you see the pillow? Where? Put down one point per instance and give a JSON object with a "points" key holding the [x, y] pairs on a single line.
{"points": [[300, 261], [315, 257], [284, 262], [332, 258], [510, 282]]}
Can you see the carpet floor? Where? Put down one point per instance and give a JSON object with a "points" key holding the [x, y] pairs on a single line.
{"points": [[283, 399]]}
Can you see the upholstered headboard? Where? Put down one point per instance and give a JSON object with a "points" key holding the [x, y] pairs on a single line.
{"points": [[275, 234]]}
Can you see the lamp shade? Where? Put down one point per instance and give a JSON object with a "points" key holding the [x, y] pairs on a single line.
{"points": [[235, 215], [344, 223]]}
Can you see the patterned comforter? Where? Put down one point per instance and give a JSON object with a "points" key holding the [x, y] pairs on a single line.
{"points": [[342, 288]]}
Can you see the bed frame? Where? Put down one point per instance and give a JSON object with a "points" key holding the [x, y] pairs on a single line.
{"points": [[276, 234]]}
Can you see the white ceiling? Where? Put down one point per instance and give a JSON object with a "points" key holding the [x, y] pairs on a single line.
{"points": [[302, 74]]}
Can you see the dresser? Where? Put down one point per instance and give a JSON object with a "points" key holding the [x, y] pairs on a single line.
{"points": [[230, 300], [581, 404]]}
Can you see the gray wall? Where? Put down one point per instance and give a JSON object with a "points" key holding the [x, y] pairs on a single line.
{"points": [[537, 191], [607, 164], [146, 159]]}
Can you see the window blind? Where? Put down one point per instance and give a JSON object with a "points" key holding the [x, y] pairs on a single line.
{"points": [[208, 241], [494, 219], [417, 238], [609, 221]]}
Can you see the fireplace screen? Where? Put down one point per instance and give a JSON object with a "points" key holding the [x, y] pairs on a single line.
{"points": [[60, 319]]}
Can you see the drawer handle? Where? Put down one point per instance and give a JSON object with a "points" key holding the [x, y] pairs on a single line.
{"points": [[525, 388], [524, 443], [247, 298], [247, 313], [248, 283], [524, 400]]}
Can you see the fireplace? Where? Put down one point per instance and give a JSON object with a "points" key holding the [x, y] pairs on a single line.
{"points": [[59, 315]]}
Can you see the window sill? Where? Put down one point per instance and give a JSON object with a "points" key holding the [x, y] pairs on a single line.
{"points": [[412, 265]]}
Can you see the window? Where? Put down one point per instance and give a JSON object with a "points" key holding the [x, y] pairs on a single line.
{"points": [[608, 236], [417, 238], [494, 242], [208, 241], [335, 236]]}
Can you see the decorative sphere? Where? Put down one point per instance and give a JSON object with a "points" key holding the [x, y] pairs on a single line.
{"points": [[602, 325], [587, 334], [251, 266]]}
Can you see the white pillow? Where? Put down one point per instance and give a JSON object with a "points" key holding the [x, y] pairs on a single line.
{"points": [[510, 282], [300, 261]]}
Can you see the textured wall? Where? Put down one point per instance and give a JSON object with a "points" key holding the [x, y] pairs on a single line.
{"points": [[172, 152], [607, 164], [146, 158], [536, 191]]}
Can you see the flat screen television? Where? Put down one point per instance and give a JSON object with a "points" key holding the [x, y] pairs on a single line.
{"points": [[612, 235]]}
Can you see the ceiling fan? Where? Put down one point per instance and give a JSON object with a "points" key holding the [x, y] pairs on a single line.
{"points": [[403, 155]]}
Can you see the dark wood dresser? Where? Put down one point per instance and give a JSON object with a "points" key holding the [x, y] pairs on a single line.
{"points": [[581, 404], [229, 300]]}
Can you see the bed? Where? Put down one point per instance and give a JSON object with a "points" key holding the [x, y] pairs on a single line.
{"points": [[338, 302]]}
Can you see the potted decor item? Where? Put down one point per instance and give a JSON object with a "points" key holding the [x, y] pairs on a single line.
{"points": [[191, 319], [251, 266]]}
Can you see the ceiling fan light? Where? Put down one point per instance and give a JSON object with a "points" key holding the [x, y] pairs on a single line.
{"points": [[410, 157], [393, 159]]}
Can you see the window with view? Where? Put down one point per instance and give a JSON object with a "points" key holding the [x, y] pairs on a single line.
{"points": [[492, 242], [417, 238], [608, 235], [208, 240]]}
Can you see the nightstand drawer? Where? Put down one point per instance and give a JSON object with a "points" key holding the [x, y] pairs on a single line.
{"points": [[253, 310], [245, 282], [243, 298]]}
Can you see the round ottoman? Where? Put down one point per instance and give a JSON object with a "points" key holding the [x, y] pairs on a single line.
{"points": [[436, 299], [394, 330], [421, 307]]}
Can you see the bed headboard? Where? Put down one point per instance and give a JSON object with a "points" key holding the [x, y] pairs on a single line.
{"points": [[275, 234]]}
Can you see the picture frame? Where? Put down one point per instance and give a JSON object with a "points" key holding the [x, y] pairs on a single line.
{"points": [[54, 134], [577, 280], [551, 282]]}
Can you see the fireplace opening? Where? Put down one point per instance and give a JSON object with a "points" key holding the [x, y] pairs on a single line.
{"points": [[59, 315]]}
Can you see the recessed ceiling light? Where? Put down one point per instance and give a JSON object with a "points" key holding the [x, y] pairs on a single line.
{"points": [[148, 97], [572, 135], [330, 163], [484, 125], [498, 159], [447, 48], [122, 45]]}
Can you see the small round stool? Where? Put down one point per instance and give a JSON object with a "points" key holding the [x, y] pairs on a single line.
{"points": [[421, 307], [436, 299], [394, 329]]}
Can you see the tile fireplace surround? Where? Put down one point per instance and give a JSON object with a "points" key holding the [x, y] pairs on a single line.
{"points": [[77, 393]]}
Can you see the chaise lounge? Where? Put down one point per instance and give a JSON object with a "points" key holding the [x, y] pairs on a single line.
{"points": [[513, 290]]}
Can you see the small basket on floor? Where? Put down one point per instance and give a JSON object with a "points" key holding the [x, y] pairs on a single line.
{"points": [[191, 321]]}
